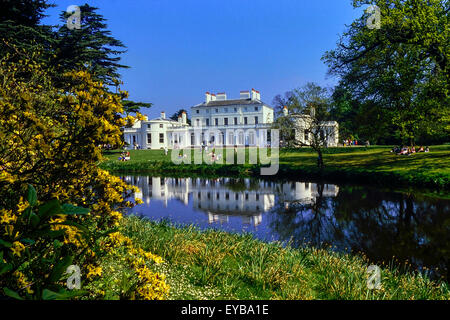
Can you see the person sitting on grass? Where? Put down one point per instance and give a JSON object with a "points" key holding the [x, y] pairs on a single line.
{"points": [[404, 151], [427, 149], [421, 149]]}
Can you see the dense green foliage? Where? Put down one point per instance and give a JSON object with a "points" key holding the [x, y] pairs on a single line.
{"points": [[90, 47], [394, 81]]}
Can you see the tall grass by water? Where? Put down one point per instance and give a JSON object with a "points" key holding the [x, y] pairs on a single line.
{"points": [[218, 265]]}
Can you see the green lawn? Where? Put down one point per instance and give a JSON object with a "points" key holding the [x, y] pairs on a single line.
{"points": [[421, 169], [218, 265]]}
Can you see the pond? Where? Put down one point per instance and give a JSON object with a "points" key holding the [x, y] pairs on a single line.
{"points": [[387, 226]]}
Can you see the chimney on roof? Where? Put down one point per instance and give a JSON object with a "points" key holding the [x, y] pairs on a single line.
{"points": [[180, 119], [184, 117], [213, 97], [285, 111], [258, 95], [221, 96], [163, 115], [254, 96], [245, 95], [208, 97]]}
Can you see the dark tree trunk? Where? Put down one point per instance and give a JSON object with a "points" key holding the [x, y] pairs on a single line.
{"points": [[319, 159]]}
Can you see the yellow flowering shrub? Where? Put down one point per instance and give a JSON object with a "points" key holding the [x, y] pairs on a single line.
{"points": [[57, 207], [128, 271]]}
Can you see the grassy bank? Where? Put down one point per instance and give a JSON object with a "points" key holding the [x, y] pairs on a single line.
{"points": [[374, 166], [218, 265]]}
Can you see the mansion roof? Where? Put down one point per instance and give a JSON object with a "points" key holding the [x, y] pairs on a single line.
{"points": [[221, 103]]}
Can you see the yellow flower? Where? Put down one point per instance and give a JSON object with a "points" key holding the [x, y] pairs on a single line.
{"points": [[93, 271], [17, 248], [22, 205]]}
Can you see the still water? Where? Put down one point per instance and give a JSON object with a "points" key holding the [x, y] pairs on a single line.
{"points": [[387, 226]]}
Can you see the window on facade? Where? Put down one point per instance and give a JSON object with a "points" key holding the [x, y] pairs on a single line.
{"points": [[245, 120], [207, 122], [225, 121], [217, 110], [235, 109], [256, 120], [161, 138], [216, 121], [207, 111], [161, 126], [198, 111], [230, 138], [306, 135], [225, 110], [198, 122], [192, 139], [149, 138], [256, 108], [148, 126], [235, 121], [251, 138], [245, 109]]}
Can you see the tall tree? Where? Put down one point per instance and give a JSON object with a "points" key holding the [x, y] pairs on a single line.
{"points": [[91, 47], [20, 26], [310, 105], [134, 106], [399, 73]]}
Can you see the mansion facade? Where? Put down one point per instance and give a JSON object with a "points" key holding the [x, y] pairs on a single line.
{"points": [[217, 121]]}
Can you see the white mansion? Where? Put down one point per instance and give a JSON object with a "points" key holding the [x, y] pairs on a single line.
{"points": [[217, 121]]}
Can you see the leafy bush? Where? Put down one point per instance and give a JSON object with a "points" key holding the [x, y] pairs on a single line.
{"points": [[51, 138]]}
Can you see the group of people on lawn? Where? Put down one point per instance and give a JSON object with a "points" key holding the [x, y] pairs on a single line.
{"points": [[125, 156], [409, 150], [348, 142]]}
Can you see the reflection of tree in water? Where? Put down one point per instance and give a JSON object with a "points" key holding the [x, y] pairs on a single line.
{"points": [[381, 224], [241, 185]]}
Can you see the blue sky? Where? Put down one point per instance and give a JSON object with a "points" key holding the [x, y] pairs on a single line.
{"points": [[179, 49]]}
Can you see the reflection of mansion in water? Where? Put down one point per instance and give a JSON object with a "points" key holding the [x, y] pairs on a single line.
{"points": [[225, 197]]}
